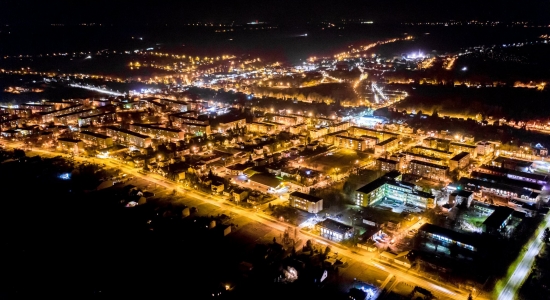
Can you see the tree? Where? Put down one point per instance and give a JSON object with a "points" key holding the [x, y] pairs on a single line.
{"points": [[546, 235]]}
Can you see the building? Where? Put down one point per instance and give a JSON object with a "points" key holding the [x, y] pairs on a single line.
{"points": [[306, 202], [531, 186], [505, 191], [158, 132], [428, 170], [448, 237], [379, 134], [174, 104], [239, 195], [513, 164], [386, 146], [70, 145], [227, 122], [342, 126], [387, 165], [390, 186], [485, 148], [333, 230], [128, 137], [265, 182], [72, 117], [104, 118], [460, 147], [434, 152], [50, 115], [195, 129], [258, 127], [96, 139], [459, 161], [318, 133], [498, 220], [285, 119], [349, 142], [37, 108], [409, 156], [436, 143], [461, 197], [217, 187], [513, 174]]}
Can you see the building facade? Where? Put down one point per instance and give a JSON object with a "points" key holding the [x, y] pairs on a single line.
{"points": [[306, 202]]}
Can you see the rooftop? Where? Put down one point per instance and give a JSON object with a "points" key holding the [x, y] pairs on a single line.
{"points": [[335, 226], [127, 132], [307, 197], [460, 156], [97, 135], [265, 179], [507, 181], [387, 141], [451, 234], [497, 218], [422, 163]]}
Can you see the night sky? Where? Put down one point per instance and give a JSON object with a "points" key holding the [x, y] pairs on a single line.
{"points": [[278, 11]]}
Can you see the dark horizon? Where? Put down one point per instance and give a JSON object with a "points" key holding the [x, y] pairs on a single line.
{"points": [[127, 12]]}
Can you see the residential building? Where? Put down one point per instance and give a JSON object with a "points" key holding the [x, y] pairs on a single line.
{"points": [[459, 161], [72, 117], [102, 118], [195, 129], [37, 108], [157, 131], [485, 148], [258, 127], [386, 146], [436, 143], [428, 170], [306, 202], [96, 139], [379, 134], [387, 165], [409, 156], [128, 137], [460, 147], [49, 116], [71, 145]]}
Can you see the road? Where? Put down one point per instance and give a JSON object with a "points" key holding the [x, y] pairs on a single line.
{"points": [[523, 268], [441, 291]]}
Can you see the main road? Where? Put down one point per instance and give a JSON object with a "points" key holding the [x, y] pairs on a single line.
{"points": [[441, 290], [523, 268]]}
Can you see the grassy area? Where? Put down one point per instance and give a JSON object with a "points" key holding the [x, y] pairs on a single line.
{"points": [[342, 158], [475, 220]]}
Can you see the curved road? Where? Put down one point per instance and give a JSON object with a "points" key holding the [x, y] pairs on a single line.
{"points": [[438, 289]]}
